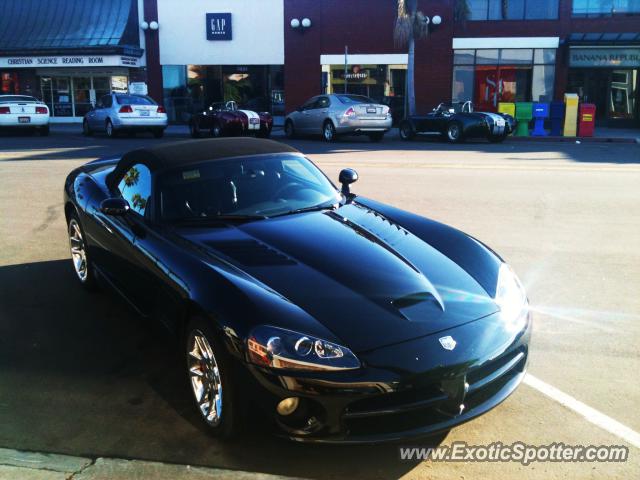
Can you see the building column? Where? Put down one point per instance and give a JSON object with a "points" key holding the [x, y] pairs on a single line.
{"points": [[152, 52]]}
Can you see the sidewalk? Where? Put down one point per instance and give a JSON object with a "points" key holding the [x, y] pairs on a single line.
{"points": [[17, 465]]}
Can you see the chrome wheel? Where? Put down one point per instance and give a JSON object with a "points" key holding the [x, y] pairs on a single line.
{"points": [[78, 253], [205, 377], [328, 131], [216, 131], [109, 129], [453, 132]]}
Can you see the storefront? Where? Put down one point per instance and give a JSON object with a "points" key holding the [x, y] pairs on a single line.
{"points": [[607, 76], [69, 61], [488, 76], [227, 51]]}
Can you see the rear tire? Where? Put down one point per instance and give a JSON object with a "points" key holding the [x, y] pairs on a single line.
{"points": [[376, 137], [209, 369], [110, 131], [44, 131], [406, 130], [454, 132], [289, 129], [158, 133], [328, 131]]}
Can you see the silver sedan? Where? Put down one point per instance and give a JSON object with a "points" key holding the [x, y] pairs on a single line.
{"points": [[122, 112], [339, 114]]}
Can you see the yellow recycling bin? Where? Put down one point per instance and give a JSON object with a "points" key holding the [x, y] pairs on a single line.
{"points": [[571, 115], [508, 108]]}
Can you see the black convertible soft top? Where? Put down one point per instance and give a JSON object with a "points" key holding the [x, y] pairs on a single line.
{"points": [[193, 151]]}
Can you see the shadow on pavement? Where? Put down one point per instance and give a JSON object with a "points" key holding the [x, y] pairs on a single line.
{"points": [[81, 375]]}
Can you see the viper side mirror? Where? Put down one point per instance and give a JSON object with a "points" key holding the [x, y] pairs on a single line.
{"points": [[346, 178], [116, 206]]}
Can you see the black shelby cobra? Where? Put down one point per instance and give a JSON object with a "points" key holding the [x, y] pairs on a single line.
{"points": [[457, 121], [341, 318]]}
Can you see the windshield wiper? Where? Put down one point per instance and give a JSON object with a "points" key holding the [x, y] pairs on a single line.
{"points": [[314, 208]]}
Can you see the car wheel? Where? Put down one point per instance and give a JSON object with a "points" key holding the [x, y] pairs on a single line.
{"points": [[376, 137], [79, 255], [158, 133], [44, 131], [328, 131], [454, 132], [194, 130], [406, 131], [216, 130], [289, 129], [211, 380], [86, 129], [109, 129]]}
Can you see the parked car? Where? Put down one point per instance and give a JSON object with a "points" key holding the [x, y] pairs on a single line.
{"points": [[225, 119], [339, 114], [457, 121], [122, 112], [338, 317], [24, 112]]}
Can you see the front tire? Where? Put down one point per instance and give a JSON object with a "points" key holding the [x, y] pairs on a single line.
{"points": [[86, 129], [79, 255], [328, 131], [406, 131], [216, 130], [454, 132], [289, 129], [209, 371]]}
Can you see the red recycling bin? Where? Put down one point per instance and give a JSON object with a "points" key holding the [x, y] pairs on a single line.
{"points": [[586, 120]]}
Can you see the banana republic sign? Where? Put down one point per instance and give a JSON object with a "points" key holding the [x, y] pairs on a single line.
{"points": [[605, 57]]}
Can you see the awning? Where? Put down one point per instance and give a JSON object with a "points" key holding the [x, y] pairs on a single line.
{"points": [[609, 38], [65, 27]]}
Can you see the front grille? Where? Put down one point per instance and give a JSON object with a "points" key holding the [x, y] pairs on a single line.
{"points": [[428, 404]]}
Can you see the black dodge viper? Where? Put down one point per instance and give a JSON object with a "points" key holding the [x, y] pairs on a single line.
{"points": [[458, 121], [338, 317]]}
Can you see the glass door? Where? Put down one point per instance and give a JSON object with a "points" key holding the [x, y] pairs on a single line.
{"points": [[61, 97], [81, 95], [45, 92], [622, 94]]}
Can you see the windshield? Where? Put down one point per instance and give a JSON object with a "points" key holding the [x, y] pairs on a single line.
{"points": [[134, 100], [262, 186], [351, 99], [16, 98]]}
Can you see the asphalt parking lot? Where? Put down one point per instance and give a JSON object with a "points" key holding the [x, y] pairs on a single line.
{"points": [[82, 375]]}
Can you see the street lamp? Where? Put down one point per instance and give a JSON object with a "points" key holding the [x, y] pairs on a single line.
{"points": [[144, 25], [297, 23]]}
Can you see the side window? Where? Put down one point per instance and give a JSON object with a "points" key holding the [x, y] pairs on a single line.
{"points": [[310, 104], [106, 101], [135, 187], [323, 102]]}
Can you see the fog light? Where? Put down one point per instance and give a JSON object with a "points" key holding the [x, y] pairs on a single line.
{"points": [[288, 406]]}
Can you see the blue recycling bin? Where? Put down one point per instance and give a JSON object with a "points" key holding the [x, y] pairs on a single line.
{"points": [[557, 118], [540, 114]]}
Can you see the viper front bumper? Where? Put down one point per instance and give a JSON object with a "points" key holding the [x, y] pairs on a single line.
{"points": [[409, 390]]}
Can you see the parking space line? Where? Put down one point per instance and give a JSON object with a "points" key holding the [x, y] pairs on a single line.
{"points": [[590, 414]]}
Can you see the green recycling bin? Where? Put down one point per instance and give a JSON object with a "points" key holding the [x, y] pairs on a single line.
{"points": [[524, 114]]}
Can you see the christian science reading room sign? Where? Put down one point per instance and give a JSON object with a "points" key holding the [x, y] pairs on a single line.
{"points": [[70, 61], [219, 26], [605, 57]]}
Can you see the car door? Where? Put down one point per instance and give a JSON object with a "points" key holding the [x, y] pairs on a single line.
{"points": [[99, 120], [303, 122], [318, 114]]}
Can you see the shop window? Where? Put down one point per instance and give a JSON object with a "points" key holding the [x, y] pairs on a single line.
{"points": [[513, 9], [462, 83], [599, 8], [487, 57], [9, 83], [542, 86], [522, 56], [463, 57]]}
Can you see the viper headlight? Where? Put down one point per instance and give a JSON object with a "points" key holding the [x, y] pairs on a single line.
{"points": [[510, 294], [279, 348]]}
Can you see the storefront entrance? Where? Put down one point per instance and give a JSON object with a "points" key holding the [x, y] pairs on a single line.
{"points": [[614, 92]]}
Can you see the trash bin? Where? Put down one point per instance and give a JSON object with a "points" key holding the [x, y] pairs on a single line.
{"points": [[570, 114], [508, 108], [524, 114], [540, 114], [587, 120], [557, 116]]}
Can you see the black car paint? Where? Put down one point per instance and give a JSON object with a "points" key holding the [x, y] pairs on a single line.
{"points": [[326, 274], [473, 124]]}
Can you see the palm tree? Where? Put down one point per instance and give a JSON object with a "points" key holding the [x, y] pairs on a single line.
{"points": [[411, 25]]}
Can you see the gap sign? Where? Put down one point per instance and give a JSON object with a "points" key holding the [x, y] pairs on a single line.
{"points": [[218, 26]]}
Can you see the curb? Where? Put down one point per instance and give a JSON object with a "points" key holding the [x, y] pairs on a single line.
{"points": [[574, 139], [16, 464]]}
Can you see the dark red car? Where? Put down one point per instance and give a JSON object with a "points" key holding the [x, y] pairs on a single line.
{"points": [[225, 119]]}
